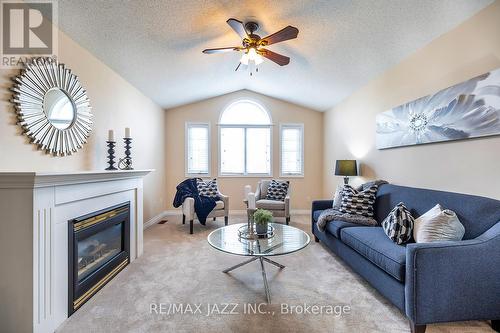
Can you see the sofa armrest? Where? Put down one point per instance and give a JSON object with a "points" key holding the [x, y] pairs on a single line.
{"points": [[225, 199], [321, 205], [454, 281], [188, 208]]}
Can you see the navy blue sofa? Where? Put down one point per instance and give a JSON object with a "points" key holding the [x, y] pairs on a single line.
{"points": [[428, 282]]}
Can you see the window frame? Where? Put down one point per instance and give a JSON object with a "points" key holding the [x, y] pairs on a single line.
{"points": [[299, 126], [245, 127], [188, 125]]}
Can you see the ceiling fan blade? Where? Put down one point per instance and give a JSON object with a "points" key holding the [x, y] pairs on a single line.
{"points": [[221, 50], [280, 36], [238, 27], [276, 57]]}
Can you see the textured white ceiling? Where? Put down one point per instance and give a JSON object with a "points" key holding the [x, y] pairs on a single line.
{"points": [[342, 44]]}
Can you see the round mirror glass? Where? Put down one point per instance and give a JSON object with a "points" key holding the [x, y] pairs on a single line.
{"points": [[59, 108]]}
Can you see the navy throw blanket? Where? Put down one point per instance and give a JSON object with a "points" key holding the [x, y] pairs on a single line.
{"points": [[202, 205]]}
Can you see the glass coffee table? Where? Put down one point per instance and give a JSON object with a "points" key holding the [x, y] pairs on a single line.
{"points": [[286, 240]]}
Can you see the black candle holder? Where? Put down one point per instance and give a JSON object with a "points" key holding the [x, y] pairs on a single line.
{"points": [[111, 155], [126, 162]]}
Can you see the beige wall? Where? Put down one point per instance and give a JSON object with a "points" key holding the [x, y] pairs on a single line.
{"points": [[470, 166], [116, 104], [303, 189]]}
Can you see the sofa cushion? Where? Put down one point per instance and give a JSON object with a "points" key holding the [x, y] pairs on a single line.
{"points": [[219, 205], [270, 204], [334, 227], [373, 244]]}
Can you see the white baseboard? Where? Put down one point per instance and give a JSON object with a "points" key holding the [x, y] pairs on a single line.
{"points": [[178, 212], [155, 219]]}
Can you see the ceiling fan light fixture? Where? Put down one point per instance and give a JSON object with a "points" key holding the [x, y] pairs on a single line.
{"points": [[244, 59], [252, 53], [251, 56], [259, 60]]}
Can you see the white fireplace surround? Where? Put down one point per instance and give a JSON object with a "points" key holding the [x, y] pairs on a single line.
{"points": [[34, 213]]}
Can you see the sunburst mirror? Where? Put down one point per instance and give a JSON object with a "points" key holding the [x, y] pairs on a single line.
{"points": [[52, 107]]}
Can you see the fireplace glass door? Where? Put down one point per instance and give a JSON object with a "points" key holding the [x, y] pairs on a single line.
{"points": [[99, 248], [94, 251]]}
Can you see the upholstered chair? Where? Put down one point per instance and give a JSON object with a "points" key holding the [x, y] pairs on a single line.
{"points": [[278, 208], [220, 210]]}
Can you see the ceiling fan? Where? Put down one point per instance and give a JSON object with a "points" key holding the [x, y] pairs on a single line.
{"points": [[253, 45]]}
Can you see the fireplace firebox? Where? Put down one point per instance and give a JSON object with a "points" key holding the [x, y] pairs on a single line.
{"points": [[99, 248]]}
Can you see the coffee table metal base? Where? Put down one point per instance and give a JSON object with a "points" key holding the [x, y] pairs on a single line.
{"points": [[264, 277]]}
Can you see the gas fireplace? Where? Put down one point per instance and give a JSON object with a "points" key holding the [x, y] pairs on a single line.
{"points": [[99, 248]]}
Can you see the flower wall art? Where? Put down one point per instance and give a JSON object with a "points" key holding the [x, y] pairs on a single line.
{"points": [[467, 110]]}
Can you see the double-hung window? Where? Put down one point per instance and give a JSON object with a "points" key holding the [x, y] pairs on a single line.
{"points": [[292, 150], [197, 149], [245, 140]]}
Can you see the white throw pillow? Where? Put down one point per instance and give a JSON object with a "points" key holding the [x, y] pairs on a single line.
{"points": [[437, 225]]}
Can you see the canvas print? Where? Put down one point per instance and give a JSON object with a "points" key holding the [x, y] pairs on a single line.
{"points": [[467, 110]]}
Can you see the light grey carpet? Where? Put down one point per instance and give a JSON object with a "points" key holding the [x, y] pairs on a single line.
{"points": [[184, 269]]}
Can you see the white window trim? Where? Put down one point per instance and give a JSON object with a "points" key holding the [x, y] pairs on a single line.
{"points": [[209, 141], [249, 175], [291, 125], [245, 126]]}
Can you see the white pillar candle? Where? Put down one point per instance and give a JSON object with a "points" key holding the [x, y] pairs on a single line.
{"points": [[251, 200], [111, 136], [248, 189], [127, 132]]}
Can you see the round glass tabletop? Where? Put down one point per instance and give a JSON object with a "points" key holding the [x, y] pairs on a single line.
{"points": [[286, 240]]}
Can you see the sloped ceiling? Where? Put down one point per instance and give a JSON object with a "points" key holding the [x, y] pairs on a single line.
{"points": [[342, 44]]}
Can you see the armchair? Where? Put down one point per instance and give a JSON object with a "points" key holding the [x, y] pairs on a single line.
{"points": [[278, 208], [221, 209]]}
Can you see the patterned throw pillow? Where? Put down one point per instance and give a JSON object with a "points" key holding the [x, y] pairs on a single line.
{"points": [[207, 188], [398, 225], [358, 203], [277, 190]]}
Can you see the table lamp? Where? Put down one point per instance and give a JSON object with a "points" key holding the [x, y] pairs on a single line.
{"points": [[346, 168]]}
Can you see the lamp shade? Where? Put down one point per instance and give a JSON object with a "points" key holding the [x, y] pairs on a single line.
{"points": [[346, 168]]}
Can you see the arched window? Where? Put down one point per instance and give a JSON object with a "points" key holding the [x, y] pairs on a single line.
{"points": [[245, 113], [245, 140]]}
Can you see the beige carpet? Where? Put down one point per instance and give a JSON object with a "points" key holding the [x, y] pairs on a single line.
{"points": [[183, 269]]}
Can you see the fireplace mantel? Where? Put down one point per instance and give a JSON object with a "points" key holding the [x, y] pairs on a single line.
{"points": [[35, 208], [45, 179]]}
